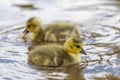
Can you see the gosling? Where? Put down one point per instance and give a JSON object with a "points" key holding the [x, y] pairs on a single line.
{"points": [[57, 55], [54, 32]]}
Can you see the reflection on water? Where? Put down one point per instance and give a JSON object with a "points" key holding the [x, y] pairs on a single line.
{"points": [[100, 25], [107, 77], [73, 72]]}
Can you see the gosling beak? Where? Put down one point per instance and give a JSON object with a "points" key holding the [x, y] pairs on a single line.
{"points": [[25, 32], [83, 52]]}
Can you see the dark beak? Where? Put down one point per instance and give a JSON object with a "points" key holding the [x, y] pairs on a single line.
{"points": [[25, 31], [83, 52]]}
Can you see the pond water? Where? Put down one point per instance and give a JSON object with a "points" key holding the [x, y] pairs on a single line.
{"points": [[100, 25]]}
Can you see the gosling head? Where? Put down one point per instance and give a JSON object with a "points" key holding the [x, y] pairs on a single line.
{"points": [[74, 45], [32, 25]]}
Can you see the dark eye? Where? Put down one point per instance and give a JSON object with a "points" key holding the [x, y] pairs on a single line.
{"points": [[77, 46], [28, 26]]}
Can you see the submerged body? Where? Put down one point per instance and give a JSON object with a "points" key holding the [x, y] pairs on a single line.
{"points": [[57, 55]]}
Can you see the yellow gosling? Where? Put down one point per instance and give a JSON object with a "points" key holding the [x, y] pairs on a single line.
{"points": [[57, 55], [52, 33], [33, 25]]}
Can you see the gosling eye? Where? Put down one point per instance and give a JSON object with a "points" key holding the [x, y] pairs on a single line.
{"points": [[28, 26], [77, 46]]}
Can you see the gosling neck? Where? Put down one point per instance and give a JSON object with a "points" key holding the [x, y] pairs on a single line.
{"points": [[69, 49], [72, 58], [38, 32]]}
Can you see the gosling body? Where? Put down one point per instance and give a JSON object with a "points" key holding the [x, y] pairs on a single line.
{"points": [[52, 33], [57, 55]]}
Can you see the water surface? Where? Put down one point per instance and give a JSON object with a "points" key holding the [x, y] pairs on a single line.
{"points": [[100, 25]]}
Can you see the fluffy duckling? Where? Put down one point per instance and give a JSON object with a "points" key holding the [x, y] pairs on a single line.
{"points": [[52, 33], [57, 55]]}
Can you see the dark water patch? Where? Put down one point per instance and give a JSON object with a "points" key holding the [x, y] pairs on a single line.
{"points": [[14, 28], [17, 77], [102, 44], [13, 52], [7, 61], [26, 6], [117, 28], [79, 8], [7, 78]]}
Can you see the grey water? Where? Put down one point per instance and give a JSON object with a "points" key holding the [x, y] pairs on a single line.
{"points": [[99, 21]]}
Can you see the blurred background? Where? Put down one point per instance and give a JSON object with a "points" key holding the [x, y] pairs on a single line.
{"points": [[100, 25]]}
